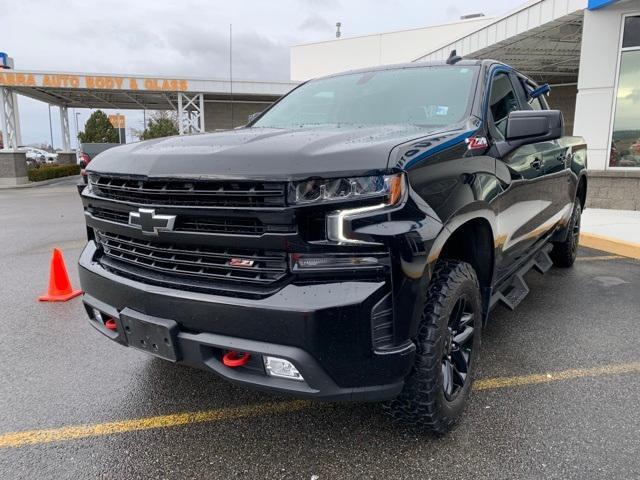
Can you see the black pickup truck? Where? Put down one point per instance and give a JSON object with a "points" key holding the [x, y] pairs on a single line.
{"points": [[348, 243]]}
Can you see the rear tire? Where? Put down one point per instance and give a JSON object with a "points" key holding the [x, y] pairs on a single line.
{"points": [[564, 253], [447, 344]]}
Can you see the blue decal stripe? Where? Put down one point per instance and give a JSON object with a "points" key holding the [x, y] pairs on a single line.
{"points": [[442, 146], [595, 4]]}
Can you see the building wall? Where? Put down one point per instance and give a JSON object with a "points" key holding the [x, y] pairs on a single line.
{"points": [[599, 59], [217, 115], [563, 98], [614, 189], [333, 56]]}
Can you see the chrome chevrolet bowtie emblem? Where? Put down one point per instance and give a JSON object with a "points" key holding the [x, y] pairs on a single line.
{"points": [[149, 222], [240, 262]]}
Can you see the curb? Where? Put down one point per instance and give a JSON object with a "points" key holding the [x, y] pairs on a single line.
{"points": [[610, 245], [43, 183]]}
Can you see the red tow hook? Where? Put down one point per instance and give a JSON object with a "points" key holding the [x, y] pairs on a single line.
{"points": [[235, 359], [110, 323]]}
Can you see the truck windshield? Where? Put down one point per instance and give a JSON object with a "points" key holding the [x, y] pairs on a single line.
{"points": [[429, 96]]}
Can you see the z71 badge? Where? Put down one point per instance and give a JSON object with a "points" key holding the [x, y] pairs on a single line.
{"points": [[477, 143]]}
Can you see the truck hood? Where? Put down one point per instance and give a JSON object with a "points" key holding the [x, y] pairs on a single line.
{"points": [[262, 153]]}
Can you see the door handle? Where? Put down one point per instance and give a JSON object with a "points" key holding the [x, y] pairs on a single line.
{"points": [[537, 163], [565, 158]]}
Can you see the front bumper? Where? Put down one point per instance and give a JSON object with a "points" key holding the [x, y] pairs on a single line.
{"points": [[325, 330]]}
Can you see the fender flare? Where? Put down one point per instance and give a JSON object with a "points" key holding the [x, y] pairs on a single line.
{"points": [[474, 211]]}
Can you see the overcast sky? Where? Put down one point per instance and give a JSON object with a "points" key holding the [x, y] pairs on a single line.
{"points": [[191, 37]]}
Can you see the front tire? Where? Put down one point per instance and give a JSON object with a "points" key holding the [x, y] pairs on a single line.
{"points": [[447, 345], [564, 253]]}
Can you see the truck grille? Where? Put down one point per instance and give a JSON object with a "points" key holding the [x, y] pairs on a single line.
{"points": [[230, 225], [190, 193], [184, 263]]}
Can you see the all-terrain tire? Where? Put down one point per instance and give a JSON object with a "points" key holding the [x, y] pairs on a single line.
{"points": [[564, 253], [423, 402]]}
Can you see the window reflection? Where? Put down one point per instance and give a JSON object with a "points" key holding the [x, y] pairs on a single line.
{"points": [[631, 36], [625, 142]]}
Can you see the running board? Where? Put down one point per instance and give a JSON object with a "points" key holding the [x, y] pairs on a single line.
{"points": [[517, 289]]}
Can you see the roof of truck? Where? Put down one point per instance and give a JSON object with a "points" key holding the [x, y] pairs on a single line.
{"points": [[396, 66]]}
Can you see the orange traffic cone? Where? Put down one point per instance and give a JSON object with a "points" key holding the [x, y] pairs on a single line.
{"points": [[60, 289]]}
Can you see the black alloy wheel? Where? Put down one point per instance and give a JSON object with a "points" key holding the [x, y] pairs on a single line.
{"points": [[564, 253], [456, 360], [447, 346]]}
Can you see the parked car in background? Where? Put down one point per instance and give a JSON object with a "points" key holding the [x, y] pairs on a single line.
{"points": [[38, 155], [32, 155], [50, 157], [87, 152], [33, 160]]}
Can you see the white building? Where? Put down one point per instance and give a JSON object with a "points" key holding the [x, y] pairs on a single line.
{"points": [[588, 50]]}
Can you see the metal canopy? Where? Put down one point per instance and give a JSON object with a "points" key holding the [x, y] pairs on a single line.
{"points": [[548, 54], [130, 99], [542, 39], [91, 90], [186, 96]]}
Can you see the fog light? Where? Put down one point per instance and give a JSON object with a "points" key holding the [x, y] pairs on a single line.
{"points": [[279, 367], [97, 315], [332, 262]]}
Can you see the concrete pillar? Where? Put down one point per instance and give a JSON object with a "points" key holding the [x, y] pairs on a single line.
{"points": [[201, 112], [599, 66], [64, 129], [16, 119], [3, 120], [9, 119], [13, 168], [190, 113], [180, 115]]}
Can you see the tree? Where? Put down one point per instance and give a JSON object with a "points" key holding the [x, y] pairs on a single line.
{"points": [[160, 124], [98, 129]]}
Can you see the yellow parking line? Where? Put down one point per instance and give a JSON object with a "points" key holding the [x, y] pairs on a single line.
{"points": [[501, 382], [34, 437], [599, 257], [17, 439]]}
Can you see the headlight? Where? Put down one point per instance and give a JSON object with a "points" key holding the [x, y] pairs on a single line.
{"points": [[338, 223], [91, 179], [388, 187]]}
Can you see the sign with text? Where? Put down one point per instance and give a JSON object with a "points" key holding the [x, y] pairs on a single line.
{"points": [[9, 78], [117, 121]]}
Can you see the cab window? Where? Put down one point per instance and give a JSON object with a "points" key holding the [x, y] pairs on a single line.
{"points": [[502, 101]]}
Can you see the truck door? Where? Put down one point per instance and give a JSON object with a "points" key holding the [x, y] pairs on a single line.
{"points": [[518, 208], [555, 190]]}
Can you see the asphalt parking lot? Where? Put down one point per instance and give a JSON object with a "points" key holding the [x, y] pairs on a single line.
{"points": [[558, 393]]}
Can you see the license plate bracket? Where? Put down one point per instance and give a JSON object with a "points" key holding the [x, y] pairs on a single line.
{"points": [[153, 335]]}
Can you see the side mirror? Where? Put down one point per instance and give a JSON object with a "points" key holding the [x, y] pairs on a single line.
{"points": [[531, 126]]}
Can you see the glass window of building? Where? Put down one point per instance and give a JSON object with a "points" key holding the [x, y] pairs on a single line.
{"points": [[625, 141], [631, 36]]}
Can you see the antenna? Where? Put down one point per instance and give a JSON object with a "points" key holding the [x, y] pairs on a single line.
{"points": [[231, 69], [453, 58]]}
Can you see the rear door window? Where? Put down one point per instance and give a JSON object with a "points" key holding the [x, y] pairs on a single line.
{"points": [[531, 103]]}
